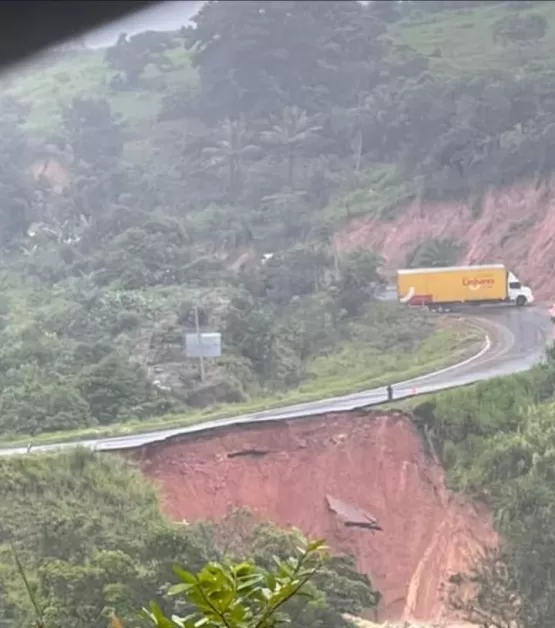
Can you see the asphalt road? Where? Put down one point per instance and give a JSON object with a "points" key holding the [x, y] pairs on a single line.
{"points": [[516, 340]]}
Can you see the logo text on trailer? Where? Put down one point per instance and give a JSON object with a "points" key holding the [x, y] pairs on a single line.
{"points": [[475, 283]]}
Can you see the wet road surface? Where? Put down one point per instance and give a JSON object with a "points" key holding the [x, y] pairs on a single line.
{"points": [[516, 340]]}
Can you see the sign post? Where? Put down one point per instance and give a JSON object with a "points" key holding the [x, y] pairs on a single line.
{"points": [[199, 340], [202, 345]]}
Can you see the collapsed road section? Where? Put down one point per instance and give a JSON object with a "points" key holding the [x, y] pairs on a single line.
{"points": [[361, 480]]}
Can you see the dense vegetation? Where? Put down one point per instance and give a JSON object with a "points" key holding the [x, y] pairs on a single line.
{"points": [[244, 594], [89, 535], [496, 440], [209, 167]]}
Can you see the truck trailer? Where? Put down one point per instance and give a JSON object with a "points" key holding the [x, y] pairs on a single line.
{"points": [[440, 288]]}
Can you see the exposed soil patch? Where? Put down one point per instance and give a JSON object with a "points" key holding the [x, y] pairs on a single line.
{"points": [[360, 480], [515, 226]]}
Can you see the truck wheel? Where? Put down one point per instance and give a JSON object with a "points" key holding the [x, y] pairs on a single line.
{"points": [[520, 300]]}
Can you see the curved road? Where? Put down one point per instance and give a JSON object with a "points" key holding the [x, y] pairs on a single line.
{"points": [[516, 340]]}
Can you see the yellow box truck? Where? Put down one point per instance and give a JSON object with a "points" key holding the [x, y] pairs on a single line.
{"points": [[439, 288]]}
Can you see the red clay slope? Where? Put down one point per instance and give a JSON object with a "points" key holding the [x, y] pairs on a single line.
{"points": [[369, 464], [516, 226]]}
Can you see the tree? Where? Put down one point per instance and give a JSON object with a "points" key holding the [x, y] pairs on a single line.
{"points": [[255, 58], [243, 595], [94, 134], [435, 253], [249, 327], [131, 55], [290, 212], [232, 146], [513, 585], [88, 532], [321, 240], [289, 136], [358, 280], [294, 273], [19, 200]]}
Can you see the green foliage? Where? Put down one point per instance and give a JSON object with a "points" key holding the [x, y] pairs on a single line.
{"points": [[480, 428], [497, 442], [81, 526], [435, 253], [94, 135], [60, 368], [336, 583], [514, 582], [86, 531], [358, 281], [288, 135], [244, 594], [131, 55], [155, 253], [260, 86]]}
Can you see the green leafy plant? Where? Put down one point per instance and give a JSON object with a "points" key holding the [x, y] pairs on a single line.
{"points": [[242, 595]]}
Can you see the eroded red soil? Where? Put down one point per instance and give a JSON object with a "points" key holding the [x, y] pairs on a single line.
{"points": [[516, 226], [373, 466]]}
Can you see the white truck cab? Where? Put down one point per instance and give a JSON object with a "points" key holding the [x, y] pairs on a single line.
{"points": [[516, 292]]}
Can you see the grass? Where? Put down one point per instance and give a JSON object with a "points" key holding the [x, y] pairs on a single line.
{"points": [[350, 370], [56, 81], [354, 367], [460, 42]]}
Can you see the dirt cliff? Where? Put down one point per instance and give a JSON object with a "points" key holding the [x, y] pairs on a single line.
{"points": [[361, 480], [515, 225]]}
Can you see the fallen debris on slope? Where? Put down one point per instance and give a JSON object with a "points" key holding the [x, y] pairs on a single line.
{"points": [[352, 516], [322, 473]]}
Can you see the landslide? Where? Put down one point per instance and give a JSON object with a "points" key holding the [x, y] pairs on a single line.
{"points": [[362, 480]]}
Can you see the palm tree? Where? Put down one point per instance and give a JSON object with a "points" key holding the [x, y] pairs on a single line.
{"points": [[321, 240], [351, 122], [288, 134], [230, 149]]}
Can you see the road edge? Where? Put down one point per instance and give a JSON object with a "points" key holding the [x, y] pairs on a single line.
{"points": [[100, 443]]}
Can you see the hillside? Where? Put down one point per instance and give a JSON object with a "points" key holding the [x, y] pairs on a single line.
{"points": [[274, 182], [146, 180]]}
